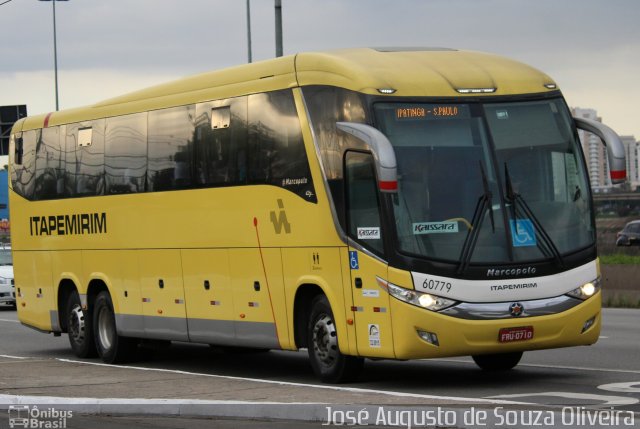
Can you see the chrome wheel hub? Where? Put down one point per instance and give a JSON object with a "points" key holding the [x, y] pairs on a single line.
{"points": [[76, 324], [325, 341]]}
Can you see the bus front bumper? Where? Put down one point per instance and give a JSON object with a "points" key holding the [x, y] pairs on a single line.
{"points": [[420, 333]]}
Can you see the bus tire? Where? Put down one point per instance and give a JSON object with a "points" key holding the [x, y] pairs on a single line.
{"points": [[79, 328], [327, 362], [498, 361], [111, 347]]}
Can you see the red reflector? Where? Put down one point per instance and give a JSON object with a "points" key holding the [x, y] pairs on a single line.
{"points": [[388, 186], [46, 119], [618, 174], [509, 335]]}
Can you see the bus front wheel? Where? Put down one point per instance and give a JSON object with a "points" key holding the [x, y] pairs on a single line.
{"points": [[327, 362], [498, 361], [79, 328], [111, 347]]}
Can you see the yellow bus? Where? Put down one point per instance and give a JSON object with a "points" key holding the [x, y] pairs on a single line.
{"points": [[361, 203]]}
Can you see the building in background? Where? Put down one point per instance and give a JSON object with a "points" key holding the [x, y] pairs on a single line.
{"points": [[8, 116], [632, 149], [595, 153]]}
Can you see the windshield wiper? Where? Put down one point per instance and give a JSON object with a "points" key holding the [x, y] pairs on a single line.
{"points": [[484, 203], [516, 201]]}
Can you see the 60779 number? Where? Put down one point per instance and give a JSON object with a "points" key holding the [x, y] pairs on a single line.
{"points": [[436, 285]]}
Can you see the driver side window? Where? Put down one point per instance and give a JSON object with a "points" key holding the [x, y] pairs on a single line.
{"points": [[363, 206]]}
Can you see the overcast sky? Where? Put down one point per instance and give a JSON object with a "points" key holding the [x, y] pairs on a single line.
{"points": [[109, 47]]}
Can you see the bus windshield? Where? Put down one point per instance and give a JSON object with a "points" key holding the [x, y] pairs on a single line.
{"points": [[510, 171]]}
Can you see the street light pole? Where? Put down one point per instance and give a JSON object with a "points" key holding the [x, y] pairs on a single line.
{"points": [[278, 9], [55, 51], [249, 30]]}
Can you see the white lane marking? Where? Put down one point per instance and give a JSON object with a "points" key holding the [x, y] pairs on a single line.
{"points": [[9, 320], [53, 400], [583, 368], [14, 357], [621, 387], [602, 337], [315, 386], [607, 401], [534, 365]]}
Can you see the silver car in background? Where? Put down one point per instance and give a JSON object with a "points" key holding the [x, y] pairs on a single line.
{"points": [[630, 235], [7, 287]]}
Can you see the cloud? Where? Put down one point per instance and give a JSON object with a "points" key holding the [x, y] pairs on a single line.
{"points": [[589, 46], [76, 87]]}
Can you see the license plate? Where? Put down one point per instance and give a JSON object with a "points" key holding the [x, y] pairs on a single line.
{"points": [[509, 335]]}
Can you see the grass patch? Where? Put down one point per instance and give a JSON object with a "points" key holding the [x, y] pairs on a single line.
{"points": [[620, 259], [621, 301]]}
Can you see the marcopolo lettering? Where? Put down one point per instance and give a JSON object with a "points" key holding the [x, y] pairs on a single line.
{"points": [[496, 272], [434, 227], [75, 224], [294, 182]]}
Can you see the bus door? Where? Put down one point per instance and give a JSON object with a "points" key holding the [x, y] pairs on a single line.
{"points": [[370, 302]]}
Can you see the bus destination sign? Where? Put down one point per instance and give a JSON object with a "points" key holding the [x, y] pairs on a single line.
{"points": [[425, 112]]}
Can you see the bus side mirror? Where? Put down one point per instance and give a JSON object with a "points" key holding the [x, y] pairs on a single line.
{"points": [[383, 153], [615, 148]]}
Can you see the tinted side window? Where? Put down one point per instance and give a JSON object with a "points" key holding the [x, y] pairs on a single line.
{"points": [[23, 175], [85, 158], [221, 143], [363, 213], [126, 153], [171, 136], [50, 165], [276, 148]]}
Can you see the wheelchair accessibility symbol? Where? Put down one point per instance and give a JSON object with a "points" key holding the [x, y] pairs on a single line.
{"points": [[523, 233], [353, 260]]}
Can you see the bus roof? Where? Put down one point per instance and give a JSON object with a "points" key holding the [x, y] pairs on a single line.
{"points": [[435, 72]]}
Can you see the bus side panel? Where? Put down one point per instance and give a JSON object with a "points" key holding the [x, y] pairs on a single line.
{"points": [[208, 296], [255, 323], [372, 314], [129, 318], [118, 270], [103, 265], [320, 267], [272, 259], [162, 292], [345, 265], [35, 291], [67, 265]]}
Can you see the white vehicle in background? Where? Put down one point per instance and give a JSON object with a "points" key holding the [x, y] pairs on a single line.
{"points": [[7, 287]]}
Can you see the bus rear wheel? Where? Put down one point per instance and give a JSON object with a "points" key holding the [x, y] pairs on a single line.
{"points": [[111, 347], [498, 361], [79, 328], [328, 363]]}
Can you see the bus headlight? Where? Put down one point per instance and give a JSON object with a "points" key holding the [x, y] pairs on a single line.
{"points": [[419, 299], [587, 290]]}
